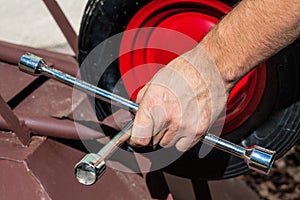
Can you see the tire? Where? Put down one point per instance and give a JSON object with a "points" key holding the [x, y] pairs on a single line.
{"points": [[275, 124]]}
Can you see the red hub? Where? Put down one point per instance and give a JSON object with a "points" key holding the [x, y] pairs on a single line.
{"points": [[148, 50]]}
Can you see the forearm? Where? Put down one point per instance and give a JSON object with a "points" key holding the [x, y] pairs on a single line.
{"points": [[250, 33]]}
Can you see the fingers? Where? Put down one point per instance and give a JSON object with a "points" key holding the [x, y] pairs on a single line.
{"points": [[145, 125], [185, 143], [157, 137], [182, 142], [146, 130], [160, 120]]}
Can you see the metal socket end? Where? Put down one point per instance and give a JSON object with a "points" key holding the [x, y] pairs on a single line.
{"points": [[89, 169], [31, 64], [260, 159]]}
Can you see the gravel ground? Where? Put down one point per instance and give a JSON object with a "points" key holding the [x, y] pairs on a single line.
{"points": [[283, 182]]}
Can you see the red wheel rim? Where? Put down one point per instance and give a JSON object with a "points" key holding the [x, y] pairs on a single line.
{"points": [[193, 18]]}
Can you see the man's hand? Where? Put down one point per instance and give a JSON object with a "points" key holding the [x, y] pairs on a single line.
{"points": [[176, 107], [186, 96]]}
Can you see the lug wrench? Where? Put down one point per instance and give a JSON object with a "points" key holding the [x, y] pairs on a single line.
{"points": [[93, 165]]}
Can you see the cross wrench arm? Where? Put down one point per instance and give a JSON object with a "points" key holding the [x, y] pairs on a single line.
{"points": [[35, 65]]}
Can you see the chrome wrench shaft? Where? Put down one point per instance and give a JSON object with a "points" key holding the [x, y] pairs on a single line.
{"points": [[34, 65], [93, 166], [257, 158]]}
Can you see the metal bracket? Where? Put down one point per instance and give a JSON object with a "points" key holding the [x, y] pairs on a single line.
{"points": [[13, 122], [63, 24]]}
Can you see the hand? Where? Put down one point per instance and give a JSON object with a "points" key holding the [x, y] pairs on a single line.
{"points": [[180, 103]]}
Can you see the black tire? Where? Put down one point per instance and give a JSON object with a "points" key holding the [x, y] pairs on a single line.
{"points": [[275, 124], [101, 21]]}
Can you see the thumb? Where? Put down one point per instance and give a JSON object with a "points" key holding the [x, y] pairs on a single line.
{"points": [[142, 129], [149, 119]]}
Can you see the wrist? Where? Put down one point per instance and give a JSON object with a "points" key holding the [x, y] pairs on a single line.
{"points": [[229, 63]]}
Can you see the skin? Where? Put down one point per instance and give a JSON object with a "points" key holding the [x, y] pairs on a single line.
{"points": [[184, 98]]}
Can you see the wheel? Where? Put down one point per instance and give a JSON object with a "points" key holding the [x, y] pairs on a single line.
{"points": [[262, 109]]}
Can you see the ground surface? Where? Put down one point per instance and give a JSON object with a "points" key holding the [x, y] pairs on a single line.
{"points": [[283, 182]]}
